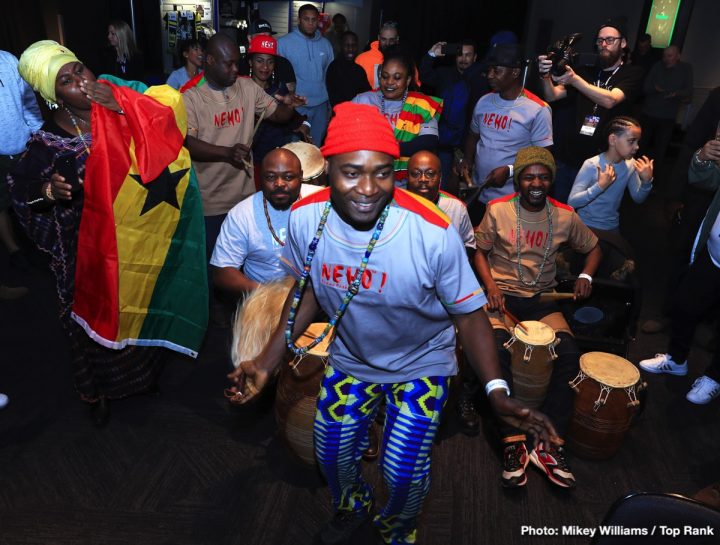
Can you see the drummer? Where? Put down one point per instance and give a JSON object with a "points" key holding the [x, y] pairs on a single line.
{"points": [[247, 251], [515, 272], [395, 338]]}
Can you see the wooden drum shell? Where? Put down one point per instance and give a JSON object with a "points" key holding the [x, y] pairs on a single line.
{"points": [[603, 409]]}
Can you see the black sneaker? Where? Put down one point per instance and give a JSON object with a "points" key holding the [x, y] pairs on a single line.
{"points": [[469, 417], [342, 526], [515, 460], [552, 462]]}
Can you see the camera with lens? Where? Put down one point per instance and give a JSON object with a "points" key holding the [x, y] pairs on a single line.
{"points": [[563, 54]]}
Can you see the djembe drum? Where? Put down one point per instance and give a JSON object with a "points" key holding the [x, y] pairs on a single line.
{"points": [[607, 387], [297, 393], [533, 352]]}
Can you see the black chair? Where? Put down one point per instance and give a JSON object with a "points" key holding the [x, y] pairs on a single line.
{"points": [[649, 512]]}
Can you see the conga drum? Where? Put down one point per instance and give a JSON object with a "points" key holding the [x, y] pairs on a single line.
{"points": [[297, 393], [533, 353], [606, 401]]}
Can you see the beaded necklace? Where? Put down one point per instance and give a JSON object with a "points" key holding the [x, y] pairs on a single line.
{"points": [[77, 128], [547, 246], [269, 223], [382, 101], [352, 291]]}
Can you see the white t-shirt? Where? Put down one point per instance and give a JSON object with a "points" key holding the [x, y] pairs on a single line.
{"points": [[399, 326], [245, 241], [506, 126], [458, 214]]}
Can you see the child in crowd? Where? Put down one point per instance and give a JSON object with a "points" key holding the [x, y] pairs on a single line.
{"points": [[601, 182]]}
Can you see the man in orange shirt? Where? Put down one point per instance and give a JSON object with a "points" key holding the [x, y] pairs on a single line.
{"points": [[372, 60]]}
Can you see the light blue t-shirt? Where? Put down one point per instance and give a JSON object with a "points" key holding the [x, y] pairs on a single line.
{"points": [[245, 241], [19, 112], [399, 326], [600, 209], [505, 127], [178, 78]]}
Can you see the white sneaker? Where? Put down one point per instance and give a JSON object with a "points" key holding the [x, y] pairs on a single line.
{"points": [[3, 400], [663, 363], [703, 391]]}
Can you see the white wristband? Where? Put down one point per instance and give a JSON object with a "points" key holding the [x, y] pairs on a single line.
{"points": [[585, 276], [432, 53], [307, 124], [496, 384]]}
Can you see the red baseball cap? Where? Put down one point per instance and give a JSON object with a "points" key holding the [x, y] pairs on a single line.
{"points": [[263, 44]]}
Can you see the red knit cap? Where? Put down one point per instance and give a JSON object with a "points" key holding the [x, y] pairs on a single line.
{"points": [[358, 127]]}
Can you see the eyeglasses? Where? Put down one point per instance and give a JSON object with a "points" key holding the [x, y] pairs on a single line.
{"points": [[610, 40]]}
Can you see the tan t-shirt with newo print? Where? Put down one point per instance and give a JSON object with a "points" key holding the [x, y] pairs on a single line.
{"points": [[225, 118], [498, 231]]}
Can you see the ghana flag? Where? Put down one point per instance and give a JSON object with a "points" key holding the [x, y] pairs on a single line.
{"points": [[141, 274]]}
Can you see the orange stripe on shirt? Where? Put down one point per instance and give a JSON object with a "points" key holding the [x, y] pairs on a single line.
{"points": [[421, 206], [319, 196]]}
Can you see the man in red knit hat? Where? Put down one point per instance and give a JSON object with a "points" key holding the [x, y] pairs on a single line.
{"points": [[369, 255]]}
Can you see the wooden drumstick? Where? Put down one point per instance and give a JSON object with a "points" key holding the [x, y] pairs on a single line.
{"points": [[556, 296], [516, 322]]}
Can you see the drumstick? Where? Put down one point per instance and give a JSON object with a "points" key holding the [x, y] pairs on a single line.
{"points": [[555, 296], [516, 322], [248, 164]]}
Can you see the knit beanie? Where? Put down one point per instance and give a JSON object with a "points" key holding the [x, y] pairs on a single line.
{"points": [[358, 127], [532, 155]]}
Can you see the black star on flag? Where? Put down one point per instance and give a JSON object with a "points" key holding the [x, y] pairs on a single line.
{"points": [[161, 189]]}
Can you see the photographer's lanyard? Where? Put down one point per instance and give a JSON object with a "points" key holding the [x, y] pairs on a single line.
{"points": [[604, 85], [591, 122]]}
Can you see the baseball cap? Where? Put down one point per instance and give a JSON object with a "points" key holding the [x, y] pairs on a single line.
{"points": [[260, 25], [263, 44]]}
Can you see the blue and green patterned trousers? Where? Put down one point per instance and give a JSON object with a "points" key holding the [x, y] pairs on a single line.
{"points": [[346, 408]]}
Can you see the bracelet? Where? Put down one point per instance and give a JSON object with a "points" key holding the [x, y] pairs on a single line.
{"points": [[48, 192], [307, 124], [512, 170], [587, 276], [700, 162], [496, 384]]}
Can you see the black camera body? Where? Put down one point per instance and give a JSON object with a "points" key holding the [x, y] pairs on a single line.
{"points": [[563, 53]]}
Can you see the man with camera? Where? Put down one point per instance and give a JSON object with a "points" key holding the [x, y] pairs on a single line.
{"points": [[600, 93], [450, 85]]}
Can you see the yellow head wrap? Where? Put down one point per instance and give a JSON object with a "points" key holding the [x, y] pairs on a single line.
{"points": [[39, 65]]}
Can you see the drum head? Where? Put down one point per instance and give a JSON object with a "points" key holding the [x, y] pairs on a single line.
{"points": [[609, 369], [588, 315], [538, 333], [313, 332]]}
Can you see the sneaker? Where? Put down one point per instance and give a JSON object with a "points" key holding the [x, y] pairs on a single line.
{"points": [[515, 460], [469, 417], [553, 463], [703, 391], [663, 363], [342, 526]]}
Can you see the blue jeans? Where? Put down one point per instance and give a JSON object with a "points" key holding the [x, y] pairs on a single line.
{"points": [[318, 117]]}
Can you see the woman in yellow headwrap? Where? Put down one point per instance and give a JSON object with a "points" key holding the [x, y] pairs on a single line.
{"points": [[46, 187]]}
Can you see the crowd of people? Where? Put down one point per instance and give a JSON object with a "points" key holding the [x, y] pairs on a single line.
{"points": [[344, 171]]}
